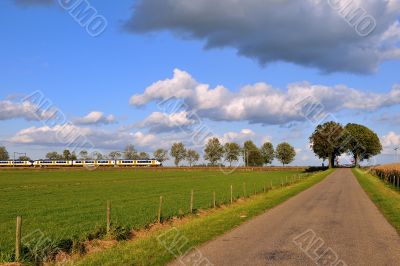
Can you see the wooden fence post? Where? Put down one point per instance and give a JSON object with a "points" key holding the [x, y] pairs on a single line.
{"points": [[108, 216], [231, 194], [18, 239], [214, 200], [191, 201], [244, 190], [160, 209]]}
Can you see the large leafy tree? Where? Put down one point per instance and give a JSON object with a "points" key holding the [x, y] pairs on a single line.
{"points": [[178, 152], [267, 152], [252, 154], [192, 156], [361, 142], [285, 153], [231, 152], [327, 141], [213, 151], [161, 155], [4, 156]]}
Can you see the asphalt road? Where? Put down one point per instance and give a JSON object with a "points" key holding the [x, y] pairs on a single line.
{"points": [[332, 223]]}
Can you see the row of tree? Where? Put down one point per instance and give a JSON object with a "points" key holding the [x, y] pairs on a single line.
{"points": [[214, 152]]}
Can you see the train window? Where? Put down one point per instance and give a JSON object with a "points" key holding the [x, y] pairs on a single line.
{"points": [[89, 161], [127, 161], [78, 161], [61, 162], [3, 162]]}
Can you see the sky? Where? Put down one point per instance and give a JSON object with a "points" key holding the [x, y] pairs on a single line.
{"points": [[99, 75]]}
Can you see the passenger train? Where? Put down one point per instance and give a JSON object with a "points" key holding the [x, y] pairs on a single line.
{"points": [[82, 163]]}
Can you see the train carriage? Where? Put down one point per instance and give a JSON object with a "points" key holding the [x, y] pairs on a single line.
{"points": [[82, 163]]}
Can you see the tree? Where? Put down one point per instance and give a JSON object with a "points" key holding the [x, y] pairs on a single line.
{"points": [[361, 142], [192, 156], [53, 156], [327, 141], [24, 158], [4, 156], [67, 155], [144, 156], [131, 153], [231, 152], [161, 155], [285, 153], [252, 155], [114, 155], [73, 156], [178, 152], [83, 155], [267, 152], [98, 156], [213, 151]]}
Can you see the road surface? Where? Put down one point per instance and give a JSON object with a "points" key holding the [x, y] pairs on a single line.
{"points": [[332, 223]]}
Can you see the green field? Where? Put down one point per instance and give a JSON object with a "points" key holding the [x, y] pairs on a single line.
{"points": [[66, 204]]}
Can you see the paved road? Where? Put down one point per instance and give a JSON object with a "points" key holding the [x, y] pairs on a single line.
{"points": [[335, 213]]}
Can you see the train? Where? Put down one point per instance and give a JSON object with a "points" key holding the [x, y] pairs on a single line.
{"points": [[83, 163]]}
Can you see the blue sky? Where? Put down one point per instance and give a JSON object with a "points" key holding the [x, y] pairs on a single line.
{"points": [[92, 79]]}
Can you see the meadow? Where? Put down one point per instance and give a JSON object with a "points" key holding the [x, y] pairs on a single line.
{"points": [[71, 204]]}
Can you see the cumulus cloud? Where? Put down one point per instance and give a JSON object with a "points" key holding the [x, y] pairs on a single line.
{"points": [[238, 137], [69, 135], [309, 33], [262, 103], [95, 118], [26, 110], [390, 141], [163, 122]]}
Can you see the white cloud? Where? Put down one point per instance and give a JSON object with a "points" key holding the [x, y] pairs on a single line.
{"points": [[26, 110], [238, 137], [262, 103], [309, 33], [390, 141], [162, 122], [95, 118], [69, 135]]}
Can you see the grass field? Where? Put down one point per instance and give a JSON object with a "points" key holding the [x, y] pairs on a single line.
{"points": [[383, 194], [71, 204]]}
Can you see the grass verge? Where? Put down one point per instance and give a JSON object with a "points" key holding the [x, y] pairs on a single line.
{"points": [[383, 195], [147, 250]]}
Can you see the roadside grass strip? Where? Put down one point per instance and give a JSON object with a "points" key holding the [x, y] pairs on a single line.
{"points": [[384, 195]]}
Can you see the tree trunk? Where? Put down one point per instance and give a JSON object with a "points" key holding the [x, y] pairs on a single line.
{"points": [[356, 160], [331, 160]]}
